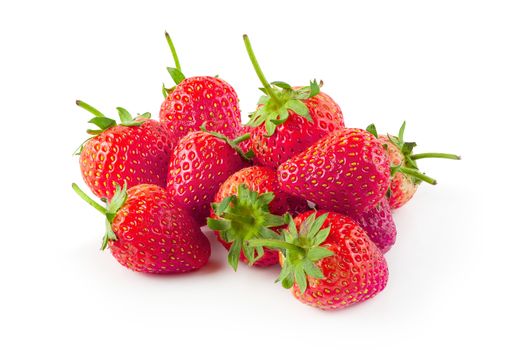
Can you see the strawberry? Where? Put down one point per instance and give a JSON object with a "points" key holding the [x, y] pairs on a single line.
{"points": [[136, 151], [346, 171], [328, 260], [379, 225], [148, 232], [405, 175], [246, 205], [200, 163], [289, 119], [197, 100]]}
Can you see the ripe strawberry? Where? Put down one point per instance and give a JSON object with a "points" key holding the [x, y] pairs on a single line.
{"points": [[136, 151], [197, 100], [247, 203], [289, 119], [328, 260], [379, 225], [346, 171], [148, 232], [200, 163], [405, 175]]}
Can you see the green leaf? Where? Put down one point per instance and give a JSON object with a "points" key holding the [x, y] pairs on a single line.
{"points": [[285, 272], [265, 232], [164, 91], [124, 115], [315, 88], [263, 99], [234, 254], [312, 269], [103, 122], [146, 115], [408, 147], [222, 206], [318, 253], [271, 220], [287, 281], [176, 75], [299, 108], [249, 253], [218, 225], [321, 236], [402, 130], [307, 224], [266, 197], [372, 129], [300, 278], [282, 85], [117, 201], [316, 225], [270, 128]]}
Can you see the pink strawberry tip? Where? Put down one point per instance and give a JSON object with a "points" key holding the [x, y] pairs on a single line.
{"points": [[104, 123], [175, 72], [279, 98], [300, 250], [409, 166], [232, 142], [117, 201], [242, 217]]}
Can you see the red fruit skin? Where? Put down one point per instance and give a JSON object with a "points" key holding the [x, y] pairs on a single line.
{"points": [[297, 133], [201, 99], [346, 171], [356, 272], [200, 163], [131, 154], [155, 235], [245, 146], [260, 179], [402, 185], [379, 225]]}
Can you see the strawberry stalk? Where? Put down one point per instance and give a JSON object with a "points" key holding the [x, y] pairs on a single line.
{"points": [[233, 143], [88, 200], [435, 155], [173, 51], [175, 72]]}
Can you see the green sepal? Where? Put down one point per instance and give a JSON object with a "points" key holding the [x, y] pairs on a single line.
{"points": [[372, 129], [234, 253], [281, 85], [103, 123], [176, 75]]}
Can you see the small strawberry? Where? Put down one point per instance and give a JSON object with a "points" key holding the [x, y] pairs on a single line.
{"points": [[289, 119], [136, 151], [200, 163], [247, 204], [148, 232], [197, 100], [346, 171], [379, 225], [328, 260], [405, 175]]}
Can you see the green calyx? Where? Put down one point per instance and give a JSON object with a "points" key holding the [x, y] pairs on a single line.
{"points": [[279, 98], [233, 143], [243, 217], [175, 72], [104, 123], [117, 201], [409, 166], [301, 250]]}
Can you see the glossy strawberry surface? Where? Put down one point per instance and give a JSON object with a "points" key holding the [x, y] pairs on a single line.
{"points": [[156, 235], [199, 100], [131, 154], [345, 171], [199, 164], [260, 179], [356, 272], [402, 186], [379, 225], [297, 133]]}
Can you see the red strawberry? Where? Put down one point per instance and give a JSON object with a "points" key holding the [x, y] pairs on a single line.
{"points": [[136, 151], [328, 260], [200, 163], [254, 203], [379, 225], [198, 100], [346, 171], [289, 119], [148, 232], [405, 175]]}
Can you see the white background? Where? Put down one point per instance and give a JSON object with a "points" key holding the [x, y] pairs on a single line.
{"points": [[457, 71]]}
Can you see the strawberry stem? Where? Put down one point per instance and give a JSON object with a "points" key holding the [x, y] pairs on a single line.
{"points": [[435, 155], [173, 51], [275, 243], [259, 72], [241, 138], [89, 108], [88, 200], [415, 173]]}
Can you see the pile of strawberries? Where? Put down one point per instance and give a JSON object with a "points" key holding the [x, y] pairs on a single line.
{"points": [[293, 186]]}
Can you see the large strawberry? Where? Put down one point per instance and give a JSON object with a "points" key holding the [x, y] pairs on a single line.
{"points": [[289, 119], [200, 163], [197, 100], [137, 151], [250, 204], [328, 260], [148, 232], [379, 225], [405, 175], [346, 171]]}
